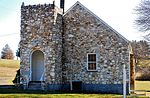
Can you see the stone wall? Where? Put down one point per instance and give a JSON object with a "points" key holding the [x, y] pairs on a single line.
{"points": [[65, 58], [41, 27], [84, 33]]}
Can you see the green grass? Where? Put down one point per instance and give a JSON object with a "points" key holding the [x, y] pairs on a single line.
{"points": [[58, 96], [17, 93], [8, 70]]}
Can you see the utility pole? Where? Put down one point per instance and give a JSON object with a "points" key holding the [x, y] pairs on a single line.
{"points": [[124, 82]]}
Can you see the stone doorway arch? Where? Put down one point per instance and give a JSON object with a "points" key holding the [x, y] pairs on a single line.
{"points": [[37, 66]]}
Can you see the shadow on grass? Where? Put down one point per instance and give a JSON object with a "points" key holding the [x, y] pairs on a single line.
{"points": [[21, 91]]}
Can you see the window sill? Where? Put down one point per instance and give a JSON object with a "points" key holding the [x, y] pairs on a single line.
{"points": [[92, 70]]}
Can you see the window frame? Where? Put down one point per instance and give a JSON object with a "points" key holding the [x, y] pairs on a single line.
{"points": [[91, 62]]}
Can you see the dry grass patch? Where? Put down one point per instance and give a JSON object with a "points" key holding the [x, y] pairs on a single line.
{"points": [[9, 63], [142, 85], [8, 70], [144, 63]]}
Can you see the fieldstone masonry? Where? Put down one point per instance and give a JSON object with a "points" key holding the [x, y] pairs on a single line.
{"points": [[41, 30], [86, 34], [43, 27]]}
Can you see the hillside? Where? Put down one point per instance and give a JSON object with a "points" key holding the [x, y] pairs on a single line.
{"points": [[8, 70]]}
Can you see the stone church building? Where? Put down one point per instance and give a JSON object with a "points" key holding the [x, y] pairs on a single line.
{"points": [[75, 50]]}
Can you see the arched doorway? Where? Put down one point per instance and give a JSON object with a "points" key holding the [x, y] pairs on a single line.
{"points": [[37, 66]]}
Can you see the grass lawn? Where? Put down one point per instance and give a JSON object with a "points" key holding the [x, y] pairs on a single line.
{"points": [[142, 85], [8, 70], [62, 96], [15, 93], [59, 96]]}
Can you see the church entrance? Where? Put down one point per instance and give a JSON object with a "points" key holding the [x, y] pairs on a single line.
{"points": [[37, 66]]}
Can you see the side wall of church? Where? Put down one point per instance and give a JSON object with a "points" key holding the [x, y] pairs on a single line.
{"points": [[85, 33]]}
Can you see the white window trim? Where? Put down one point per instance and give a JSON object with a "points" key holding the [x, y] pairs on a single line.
{"points": [[91, 62]]}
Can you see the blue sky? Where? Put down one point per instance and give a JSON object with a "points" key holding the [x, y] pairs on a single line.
{"points": [[117, 13]]}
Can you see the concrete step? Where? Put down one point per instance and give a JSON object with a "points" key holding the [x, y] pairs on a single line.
{"points": [[37, 85]]}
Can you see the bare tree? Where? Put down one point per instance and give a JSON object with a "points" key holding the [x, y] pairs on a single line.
{"points": [[135, 50], [143, 17], [144, 49], [141, 50], [7, 53]]}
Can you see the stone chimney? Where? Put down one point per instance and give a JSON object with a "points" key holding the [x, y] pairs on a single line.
{"points": [[62, 4]]}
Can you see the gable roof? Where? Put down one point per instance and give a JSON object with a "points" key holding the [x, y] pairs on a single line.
{"points": [[78, 3]]}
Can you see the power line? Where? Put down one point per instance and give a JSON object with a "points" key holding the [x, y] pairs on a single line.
{"points": [[8, 34]]}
